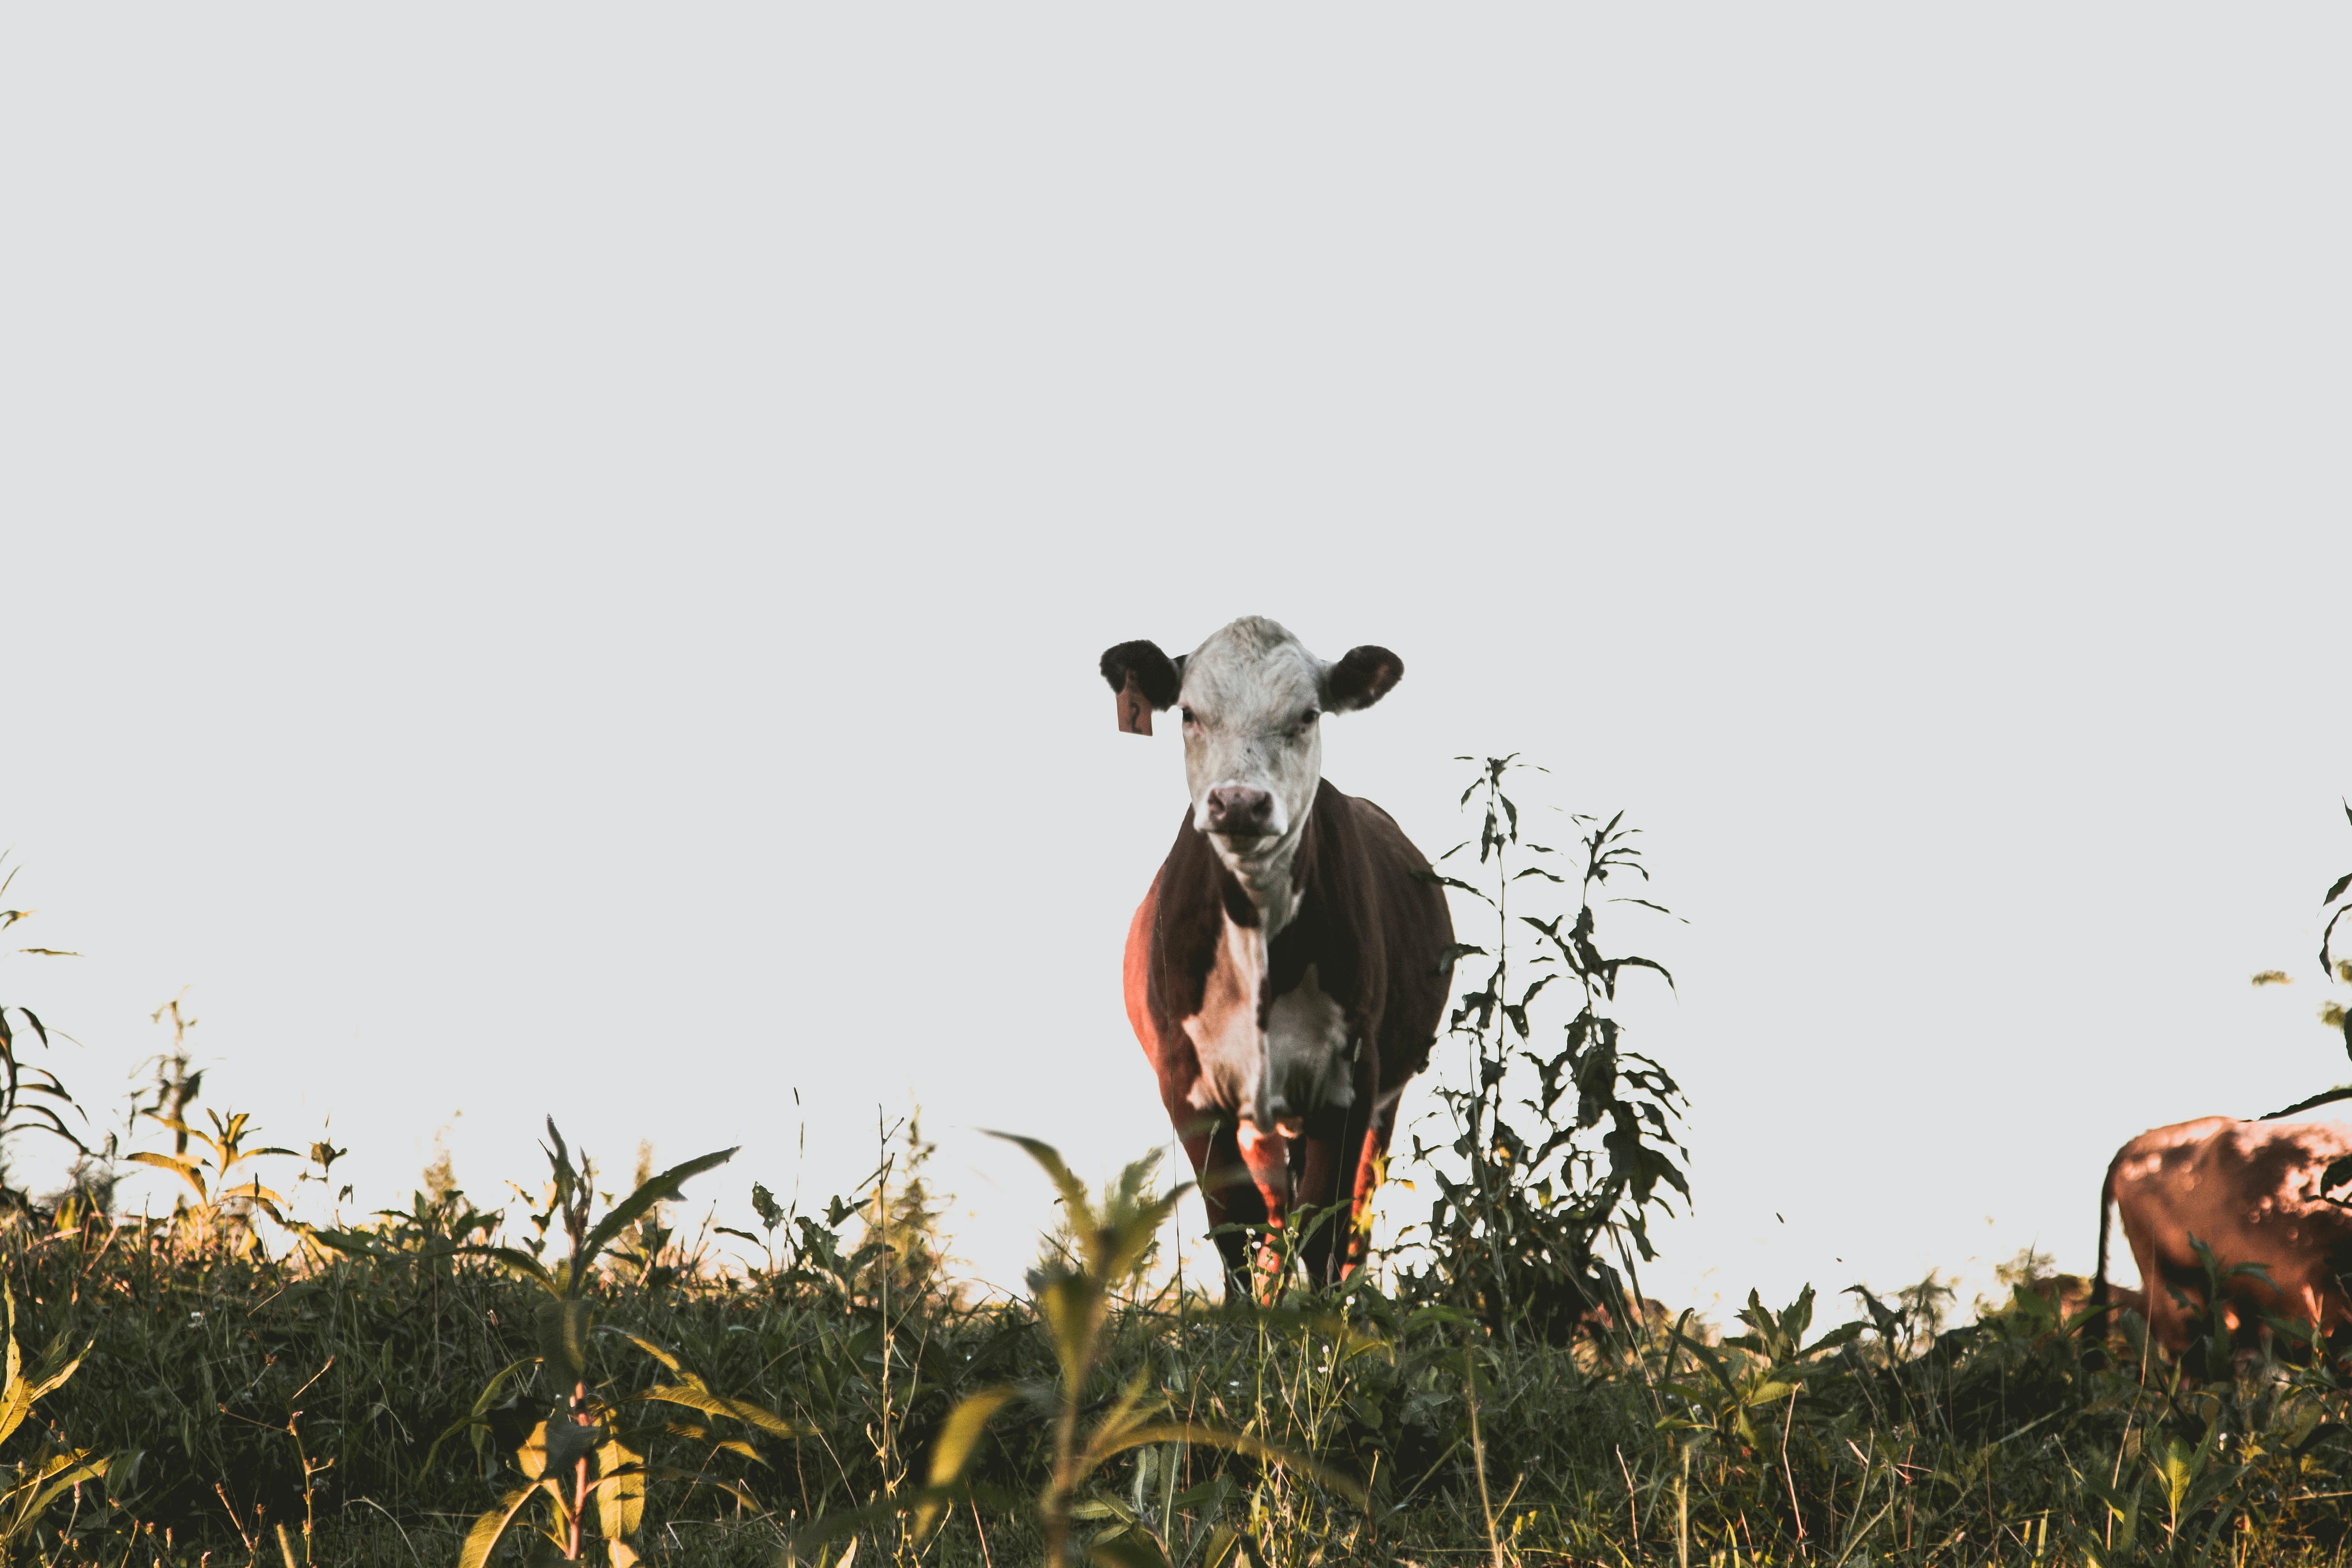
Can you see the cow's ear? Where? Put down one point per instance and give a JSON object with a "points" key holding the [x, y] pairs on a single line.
{"points": [[1156, 675], [1360, 680]]}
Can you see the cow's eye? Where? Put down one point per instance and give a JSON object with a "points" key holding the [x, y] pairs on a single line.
{"points": [[1187, 713], [1307, 720]]}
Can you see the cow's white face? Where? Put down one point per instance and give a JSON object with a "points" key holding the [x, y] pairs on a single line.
{"points": [[1252, 703], [1253, 700]]}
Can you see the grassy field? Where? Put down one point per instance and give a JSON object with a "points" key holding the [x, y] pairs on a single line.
{"points": [[368, 1395]]}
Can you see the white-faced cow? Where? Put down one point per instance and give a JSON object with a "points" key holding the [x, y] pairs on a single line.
{"points": [[1288, 968], [2250, 1191]]}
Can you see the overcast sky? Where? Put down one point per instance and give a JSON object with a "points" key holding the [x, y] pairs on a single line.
{"points": [[552, 560]]}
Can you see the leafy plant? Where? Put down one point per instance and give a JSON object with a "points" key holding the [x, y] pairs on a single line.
{"points": [[2334, 904], [207, 1171], [582, 1455], [18, 1079], [1075, 1296], [33, 1484], [1563, 1144]]}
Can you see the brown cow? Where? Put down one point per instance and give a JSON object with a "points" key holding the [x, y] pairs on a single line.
{"points": [[1288, 968], [2250, 1191]]}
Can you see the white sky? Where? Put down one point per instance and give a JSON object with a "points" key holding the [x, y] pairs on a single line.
{"points": [[553, 559]]}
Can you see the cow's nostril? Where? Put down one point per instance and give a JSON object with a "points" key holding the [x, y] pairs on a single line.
{"points": [[1234, 809]]}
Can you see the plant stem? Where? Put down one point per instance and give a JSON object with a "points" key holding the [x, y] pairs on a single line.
{"points": [[1478, 1454]]}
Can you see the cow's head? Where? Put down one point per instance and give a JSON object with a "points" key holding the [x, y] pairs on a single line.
{"points": [[1252, 698]]}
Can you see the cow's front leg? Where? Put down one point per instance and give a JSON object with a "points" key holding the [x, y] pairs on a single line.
{"points": [[1228, 1193], [1267, 1152], [1342, 1166], [1322, 1202]]}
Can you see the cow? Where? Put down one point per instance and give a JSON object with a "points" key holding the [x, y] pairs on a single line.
{"points": [[1287, 971], [2251, 1191]]}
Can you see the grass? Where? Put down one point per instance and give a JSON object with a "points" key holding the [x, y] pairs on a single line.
{"points": [[363, 1397]]}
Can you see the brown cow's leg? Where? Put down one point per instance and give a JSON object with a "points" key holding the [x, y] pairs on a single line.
{"points": [[1334, 1158], [1267, 1155], [1226, 1190], [1371, 1163], [1361, 1139], [1318, 1191], [1228, 1193]]}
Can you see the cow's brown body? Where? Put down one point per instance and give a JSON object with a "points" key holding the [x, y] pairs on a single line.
{"points": [[2250, 1191], [1374, 932]]}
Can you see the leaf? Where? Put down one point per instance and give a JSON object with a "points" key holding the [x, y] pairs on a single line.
{"points": [[49, 1121], [1066, 1302], [1843, 1334], [1131, 1547], [2338, 1171], [952, 1449], [1456, 883], [482, 1403], [1074, 1193], [1648, 905], [568, 1441], [1225, 1545], [2328, 1097], [656, 1189], [1127, 1412], [63, 1471], [57, 1379], [743, 1410], [189, 1172], [563, 1328], [1239, 1443], [620, 1506], [483, 1536], [2326, 965], [1649, 963], [513, 1257], [1124, 1244], [16, 1404], [645, 1345], [259, 1196]]}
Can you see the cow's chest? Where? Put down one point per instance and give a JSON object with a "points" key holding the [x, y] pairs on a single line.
{"points": [[1268, 1061]]}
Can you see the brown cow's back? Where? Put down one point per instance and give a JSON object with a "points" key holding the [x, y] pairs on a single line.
{"points": [[2249, 1192]]}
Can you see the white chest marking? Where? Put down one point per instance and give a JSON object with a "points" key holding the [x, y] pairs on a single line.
{"points": [[1225, 1032], [1298, 1063]]}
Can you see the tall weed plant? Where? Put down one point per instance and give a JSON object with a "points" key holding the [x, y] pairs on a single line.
{"points": [[1564, 1138]]}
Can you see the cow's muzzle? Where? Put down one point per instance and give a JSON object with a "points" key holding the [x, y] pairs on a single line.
{"points": [[1241, 812]]}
